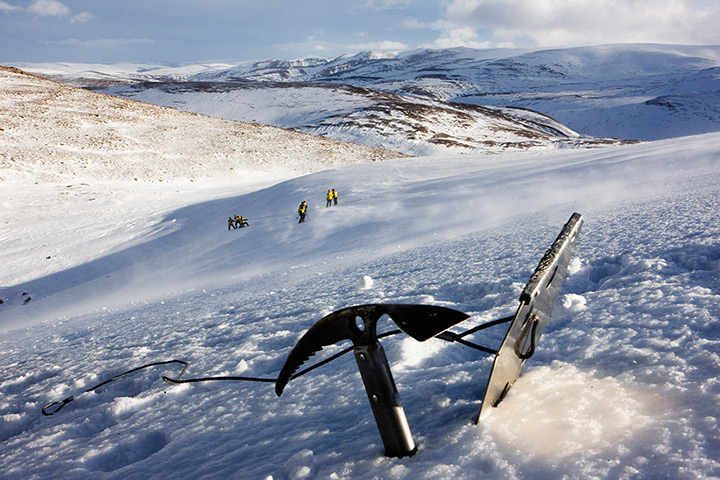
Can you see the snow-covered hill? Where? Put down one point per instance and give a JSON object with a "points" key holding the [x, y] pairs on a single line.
{"points": [[633, 91], [55, 132], [408, 124], [102, 274]]}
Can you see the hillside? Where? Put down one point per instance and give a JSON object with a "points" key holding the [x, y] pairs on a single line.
{"points": [[410, 124], [54, 132]]}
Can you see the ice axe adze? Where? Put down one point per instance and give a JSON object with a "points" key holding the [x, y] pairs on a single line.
{"points": [[359, 325]]}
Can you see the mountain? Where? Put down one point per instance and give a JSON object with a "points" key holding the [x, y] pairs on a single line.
{"points": [[630, 92], [56, 132], [633, 91]]}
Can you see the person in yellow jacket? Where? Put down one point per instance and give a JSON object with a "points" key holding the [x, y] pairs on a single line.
{"points": [[241, 222], [334, 195], [302, 211], [328, 198], [231, 223]]}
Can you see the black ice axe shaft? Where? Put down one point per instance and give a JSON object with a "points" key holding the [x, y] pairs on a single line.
{"points": [[359, 324]]}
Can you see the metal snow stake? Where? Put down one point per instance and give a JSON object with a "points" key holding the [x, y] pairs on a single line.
{"points": [[359, 324], [423, 322], [532, 316]]}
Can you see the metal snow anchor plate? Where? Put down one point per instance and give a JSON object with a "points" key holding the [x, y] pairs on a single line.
{"points": [[536, 303], [359, 324]]}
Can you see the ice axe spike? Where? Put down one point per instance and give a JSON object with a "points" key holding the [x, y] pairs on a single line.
{"points": [[359, 325]]}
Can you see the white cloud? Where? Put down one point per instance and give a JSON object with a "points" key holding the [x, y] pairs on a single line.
{"points": [[331, 48], [48, 8], [385, 4], [452, 35], [460, 37], [576, 22], [315, 36], [6, 7], [415, 24]]}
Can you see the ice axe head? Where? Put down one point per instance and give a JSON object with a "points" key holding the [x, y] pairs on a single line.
{"points": [[359, 325]]}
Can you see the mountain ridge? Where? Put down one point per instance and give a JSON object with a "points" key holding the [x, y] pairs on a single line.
{"points": [[623, 91]]}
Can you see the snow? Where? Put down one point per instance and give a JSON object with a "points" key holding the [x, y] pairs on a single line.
{"points": [[624, 383]]}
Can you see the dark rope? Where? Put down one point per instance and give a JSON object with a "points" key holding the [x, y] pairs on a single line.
{"points": [[174, 381], [61, 403], [454, 337], [486, 325], [447, 336], [457, 337]]}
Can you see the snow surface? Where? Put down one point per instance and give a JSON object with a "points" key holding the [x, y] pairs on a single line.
{"points": [[625, 382]]}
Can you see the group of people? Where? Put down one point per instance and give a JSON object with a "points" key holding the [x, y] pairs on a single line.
{"points": [[237, 222], [240, 222], [331, 197]]}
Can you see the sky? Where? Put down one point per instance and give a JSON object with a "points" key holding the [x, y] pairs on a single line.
{"points": [[184, 31]]}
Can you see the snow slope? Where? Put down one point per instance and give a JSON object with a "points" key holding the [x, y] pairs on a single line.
{"points": [[624, 383]]}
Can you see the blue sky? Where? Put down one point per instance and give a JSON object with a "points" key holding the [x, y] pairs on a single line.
{"points": [[184, 31]]}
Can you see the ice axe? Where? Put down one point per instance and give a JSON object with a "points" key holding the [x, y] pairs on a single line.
{"points": [[359, 325]]}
